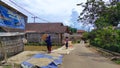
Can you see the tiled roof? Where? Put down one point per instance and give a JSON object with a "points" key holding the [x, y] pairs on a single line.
{"points": [[46, 27], [80, 31]]}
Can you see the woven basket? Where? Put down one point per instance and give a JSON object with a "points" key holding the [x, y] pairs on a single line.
{"points": [[44, 36]]}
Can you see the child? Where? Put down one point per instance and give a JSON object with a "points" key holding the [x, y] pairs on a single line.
{"points": [[66, 42]]}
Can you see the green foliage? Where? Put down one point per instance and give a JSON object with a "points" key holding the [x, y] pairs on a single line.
{"points": [[42, 43], [85, 36], [10, 66], [117, 61], [101, 22], [109, 17], [92, 9], [78, 41], [106, 38], [35, 43], [103, 14], [72, 30], [104, 17], [75, 41]]}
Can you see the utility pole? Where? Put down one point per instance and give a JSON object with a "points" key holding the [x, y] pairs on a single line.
{"points": [[34, 18]]}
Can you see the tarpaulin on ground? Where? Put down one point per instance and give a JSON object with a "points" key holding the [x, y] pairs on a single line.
{"points": [[42, 59], [11, 19]]}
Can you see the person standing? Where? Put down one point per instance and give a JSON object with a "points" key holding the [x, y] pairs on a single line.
{"points": [[66, 42], [49, 43]]}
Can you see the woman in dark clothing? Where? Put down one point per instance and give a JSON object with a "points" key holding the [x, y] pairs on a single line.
{"points": [[49, 43]]}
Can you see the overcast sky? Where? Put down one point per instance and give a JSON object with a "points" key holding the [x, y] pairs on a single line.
{"points": [[50, 10]]}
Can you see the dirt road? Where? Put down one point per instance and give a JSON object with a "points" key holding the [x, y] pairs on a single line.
{"points": [[82, 57]]}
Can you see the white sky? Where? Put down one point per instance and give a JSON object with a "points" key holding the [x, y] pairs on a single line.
{"points": [[51, 10]]}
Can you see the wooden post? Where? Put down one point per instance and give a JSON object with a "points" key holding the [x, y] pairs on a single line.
{"points": [[61, 41], [1, 51]]}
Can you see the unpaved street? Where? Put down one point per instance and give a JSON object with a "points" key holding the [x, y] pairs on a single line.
{"points": [[82, 57]]}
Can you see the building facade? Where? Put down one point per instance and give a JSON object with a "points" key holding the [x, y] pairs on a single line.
{"points": [[12, 26], [34, 31]]}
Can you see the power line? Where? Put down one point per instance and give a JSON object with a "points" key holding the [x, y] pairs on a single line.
{"points": [[43, 19], [34, 16], [21, 7]]}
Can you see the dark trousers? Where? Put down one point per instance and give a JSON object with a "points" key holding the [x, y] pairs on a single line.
{"points": [[49, 49], [66, 45]]}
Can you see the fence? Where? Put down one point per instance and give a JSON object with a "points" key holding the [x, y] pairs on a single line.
{"points": [[36, 37]]}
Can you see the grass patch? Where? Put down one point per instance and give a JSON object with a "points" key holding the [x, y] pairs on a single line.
{"points": [[10, 66], [117, 61], [35, 43], [7, 66], [38, 48]]}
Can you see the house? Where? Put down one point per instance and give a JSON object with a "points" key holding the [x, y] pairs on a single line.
{"points": [[77, 37], [80, 32], [12, 25], [34, 31]]}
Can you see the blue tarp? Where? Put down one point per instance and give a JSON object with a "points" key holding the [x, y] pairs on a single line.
{"points": [[42, 56], [29, 65], [53, 64]]}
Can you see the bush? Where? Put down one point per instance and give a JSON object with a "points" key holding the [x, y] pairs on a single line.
{"points": [[41, 44], [78, 41], [106, 38], [35, 43]]}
